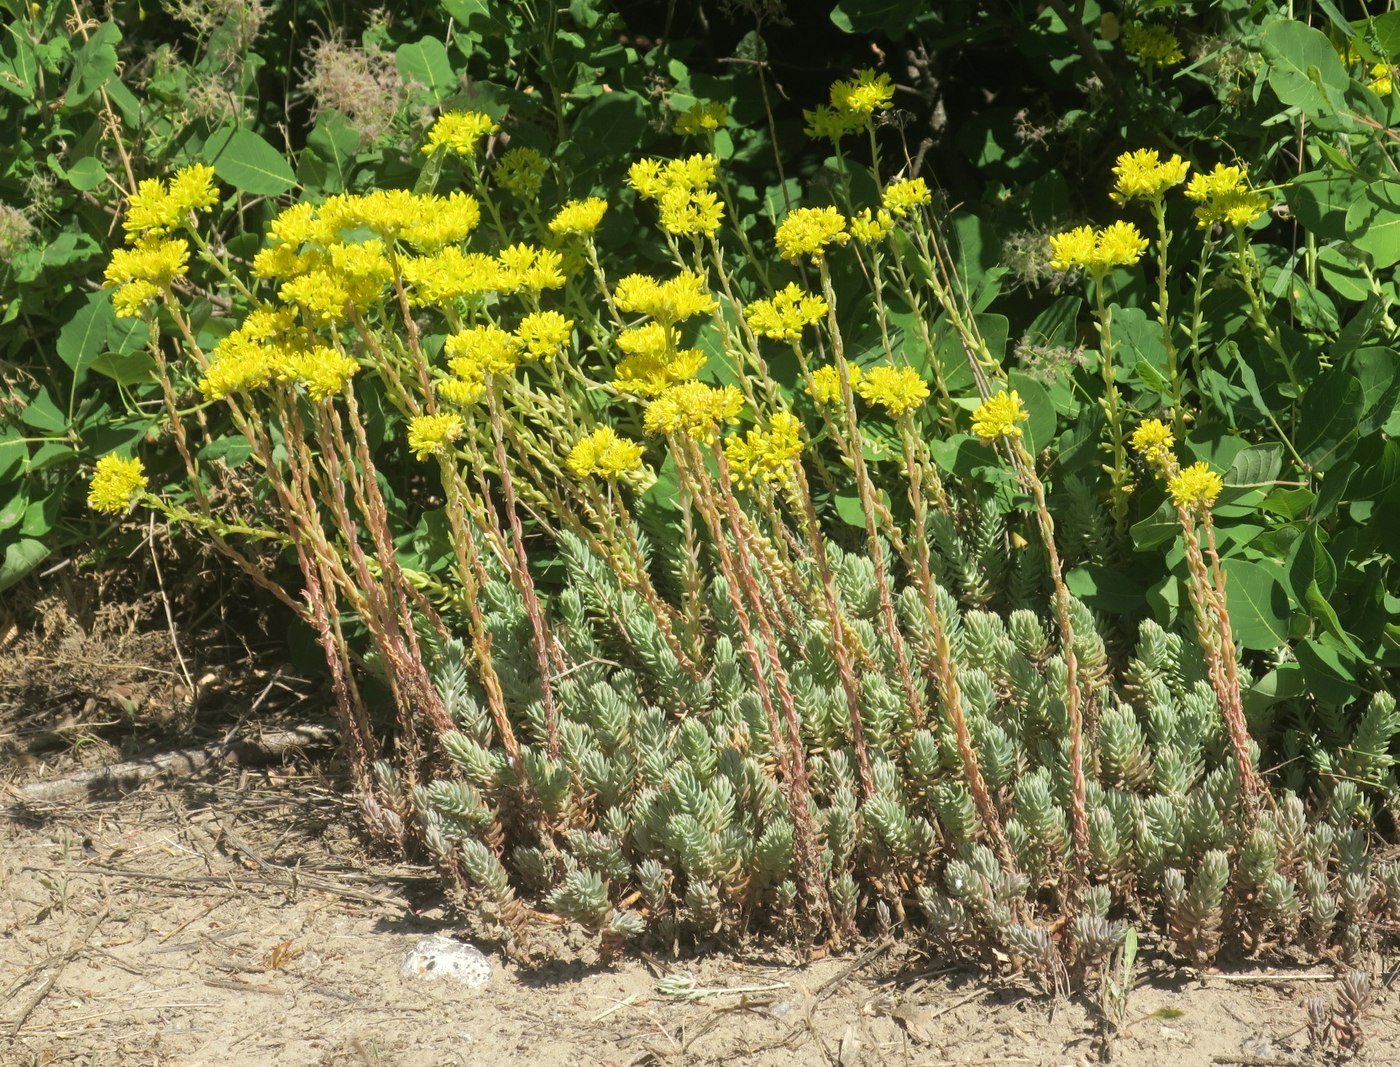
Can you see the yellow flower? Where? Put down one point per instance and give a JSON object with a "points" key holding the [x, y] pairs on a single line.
{"points": [[831, 123], [898, 390], [323, 296], [654, 178], [543, 334], [998, 416], [869, 227], [649, 374], [532, 269], [430, 435], [152, 260], [1225, 196], [669, 302], [460, 392], [479, 351], [1195, 487], [1153, 46], [808, 230], [700, 118], [605, 454], [687, 214], [1117, 245], [1153, 440], [520, 172], [131, 299], [116, 483], [579, 217], [826, 383], [1142, 176], [864, 94], [322, 370], [904, 196], [192, 188], [693, 409], [442, 221], [765, 455], [449, 274], [783, 317], [296, 225], [458, 131]]}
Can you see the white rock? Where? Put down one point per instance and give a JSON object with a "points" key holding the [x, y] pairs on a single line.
{"points": [[441, 957]]}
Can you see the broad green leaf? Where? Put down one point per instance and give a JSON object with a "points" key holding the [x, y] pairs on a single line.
{"points": [[93, 64], [1329, 671], [1378, 371], [43, 414], [1107, 590], [1258, 604], [248, 163], [21, 557], [1040, 426], [12, 510], [1304, 70], [425, 62], [1373, 223], [612, 123], [1320, 200], [1310, 564], [85, 334], [86, 174], [1331, 409], [1161, 526]]}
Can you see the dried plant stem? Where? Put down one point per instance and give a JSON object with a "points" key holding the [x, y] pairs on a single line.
{"points": [[546, 651], [867, 503], [1024, 463], [1207, 595]]}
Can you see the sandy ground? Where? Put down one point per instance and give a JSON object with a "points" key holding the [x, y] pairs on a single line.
{"points": [[234, 919]]}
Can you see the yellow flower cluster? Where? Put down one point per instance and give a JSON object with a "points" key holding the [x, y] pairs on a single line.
{"points": [[1225, 197], [116, 483], [826, 383], [653, 363], [1142, 176], [459, 131], [606, 454], [543, 333], [864, 94], [143, 272], [899, 390], [783, 317], [1118, 244], [1153, 440], [353, 276], [156, 208], [869, 227], [521, 172], [1197, 486], [999, 416], [808, 230], [531, 269], [450, 274], [693, 409], [701, 117], [681, 190], [902, 197], [245, 360], [852, 104], [476, 353], [270, 346], [765, 455], [1153, 46], [432, 435], [669, 302], [579, 217]]}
